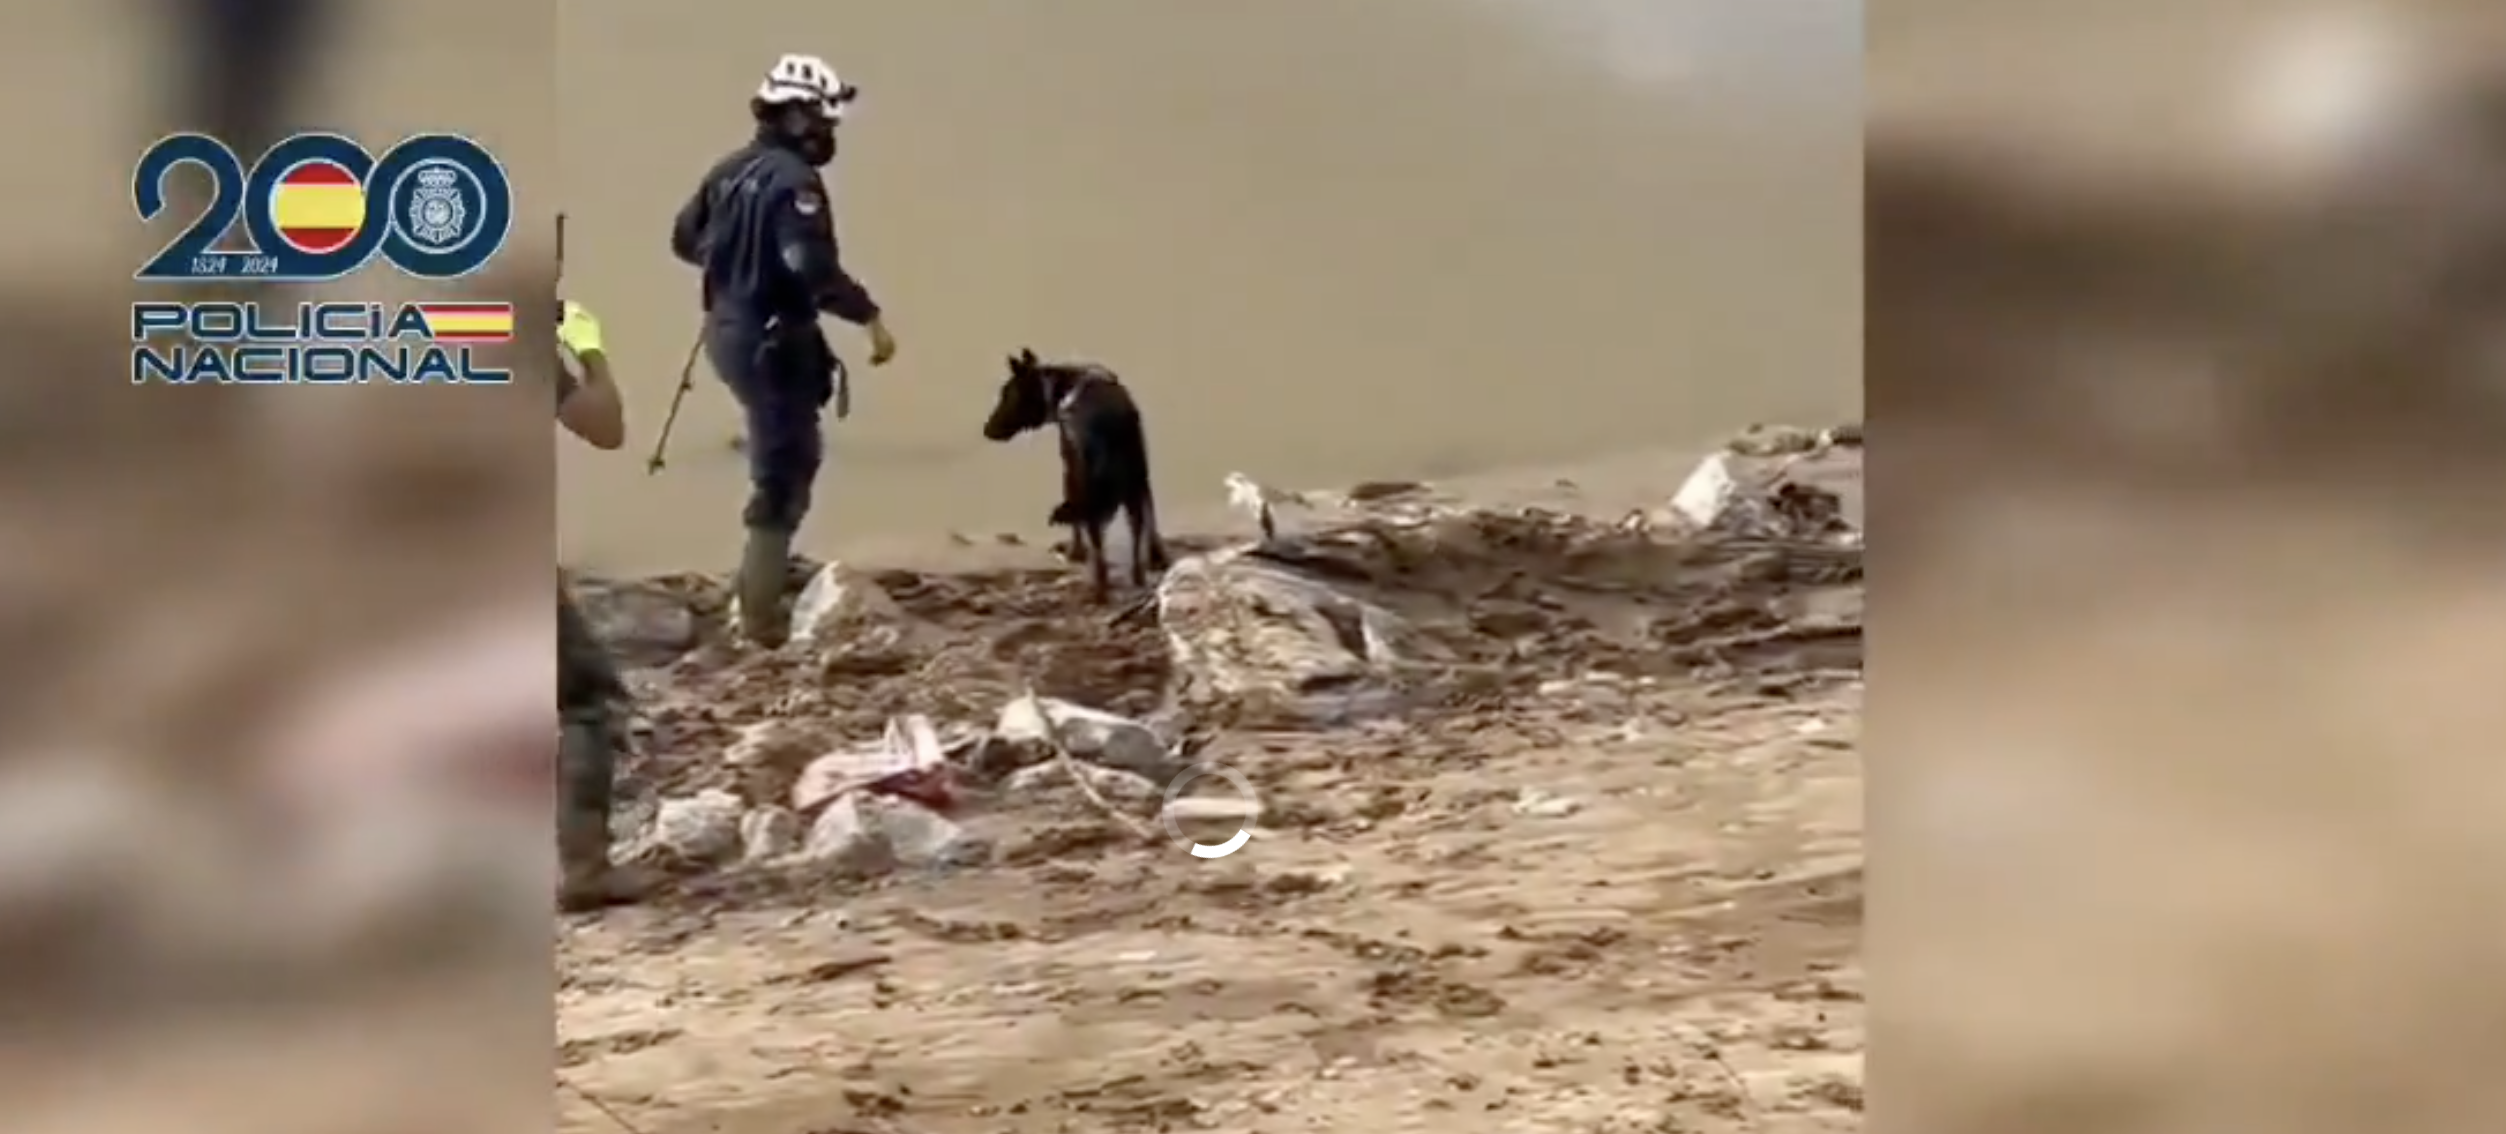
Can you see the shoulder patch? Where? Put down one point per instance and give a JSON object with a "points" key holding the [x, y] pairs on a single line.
{"points": [[808, 202]]}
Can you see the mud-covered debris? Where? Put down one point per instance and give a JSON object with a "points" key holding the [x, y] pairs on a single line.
{"points": [[909, 760], [1036, 728], [642, 622], [1113, 784], [1410, 609], [1731, 494], [840, 601], [1256, 631], [1261, 503]]}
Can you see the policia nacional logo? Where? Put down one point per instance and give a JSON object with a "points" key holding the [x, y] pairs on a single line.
{"points": [[318, 207]]}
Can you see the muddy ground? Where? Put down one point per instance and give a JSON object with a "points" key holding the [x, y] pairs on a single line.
{"points": [[1603, 873]]}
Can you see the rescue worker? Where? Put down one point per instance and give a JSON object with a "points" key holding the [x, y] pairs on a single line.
{"points": [[760, 228], [589, 690]]}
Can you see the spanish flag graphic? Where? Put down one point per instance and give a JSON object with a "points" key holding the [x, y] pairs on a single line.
{"points": [[469, 323], [318, 207]]}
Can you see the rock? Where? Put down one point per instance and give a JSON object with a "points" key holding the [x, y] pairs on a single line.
{"points": [[864, 833], [921, 837], [641, 623], [770, 833], [1708, 493], [845, 837], [1091, 735], [1258, 632], [840, 602], [1115, 785], [701, 828]]}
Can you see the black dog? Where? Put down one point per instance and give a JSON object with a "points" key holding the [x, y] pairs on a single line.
{"points": [[1105, 455]]}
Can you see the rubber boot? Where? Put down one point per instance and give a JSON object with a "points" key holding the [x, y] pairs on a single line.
{"points": [[763, 567], [586, 761]]}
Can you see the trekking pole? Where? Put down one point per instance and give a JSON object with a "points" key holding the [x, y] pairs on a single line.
{"points": [[687, 381]]}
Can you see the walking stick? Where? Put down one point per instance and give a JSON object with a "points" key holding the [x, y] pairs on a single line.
{"points": [[687, 381]]}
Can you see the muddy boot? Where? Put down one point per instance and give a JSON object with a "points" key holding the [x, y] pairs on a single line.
{"points": [[763, 566], [586, 883], [614, 886], [587, 761]]}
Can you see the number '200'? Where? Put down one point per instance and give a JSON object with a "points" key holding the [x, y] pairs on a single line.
{"points": [[238, 194]]}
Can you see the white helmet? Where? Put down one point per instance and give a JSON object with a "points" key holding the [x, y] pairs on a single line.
{"points": [[805, 78]]}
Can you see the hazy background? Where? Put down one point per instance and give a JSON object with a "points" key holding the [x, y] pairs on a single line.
{"points": [[1324, 240], [251, 875], [2184, 776]]}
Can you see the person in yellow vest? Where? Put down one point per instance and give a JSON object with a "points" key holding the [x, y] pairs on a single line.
{"points": [[589, 690], [588, 404]]}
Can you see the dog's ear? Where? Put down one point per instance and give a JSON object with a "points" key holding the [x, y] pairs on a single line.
{"points": [[1027, 360]]}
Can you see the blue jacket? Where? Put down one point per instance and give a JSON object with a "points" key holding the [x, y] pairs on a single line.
{"points": [[759, 227]]}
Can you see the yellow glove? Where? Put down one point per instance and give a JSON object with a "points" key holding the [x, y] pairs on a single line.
{"points": [[579, 331], [882, 344]]}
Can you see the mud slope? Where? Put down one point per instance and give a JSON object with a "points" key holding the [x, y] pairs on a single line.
{"points": [[1599, 869]]}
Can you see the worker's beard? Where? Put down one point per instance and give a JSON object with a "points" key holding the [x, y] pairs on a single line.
{"points": [[817, 144]]}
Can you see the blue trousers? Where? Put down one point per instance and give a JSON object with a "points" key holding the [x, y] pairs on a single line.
{"points": [[783, 377]]}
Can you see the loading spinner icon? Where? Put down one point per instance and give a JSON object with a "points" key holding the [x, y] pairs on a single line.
{"points": [[1246, 807]]}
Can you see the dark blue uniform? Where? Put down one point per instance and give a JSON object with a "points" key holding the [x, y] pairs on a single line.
{"points": [[760, 229]]}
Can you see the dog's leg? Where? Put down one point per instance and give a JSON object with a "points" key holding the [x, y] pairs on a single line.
{"points": [[1092, 533], [1136, 518], [1147, 519], [1073, 549], [1074, 490]]}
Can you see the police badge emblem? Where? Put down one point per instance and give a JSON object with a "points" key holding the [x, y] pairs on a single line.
{"points": [[436, 214]]}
